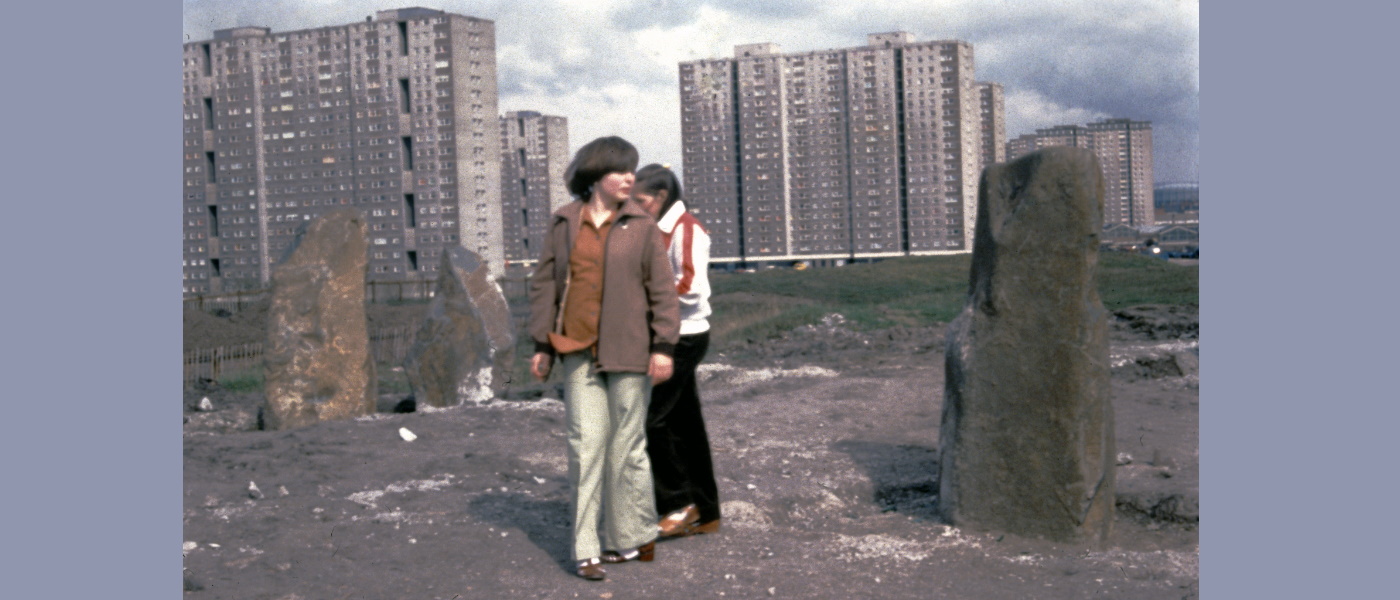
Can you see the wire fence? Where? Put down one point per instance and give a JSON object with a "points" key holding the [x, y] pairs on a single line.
{"points": [[387, 346], [515, 288]]}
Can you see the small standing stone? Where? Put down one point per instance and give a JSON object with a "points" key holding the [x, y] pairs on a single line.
{"points": [[464, 349], [254, 492], [318, 365]]}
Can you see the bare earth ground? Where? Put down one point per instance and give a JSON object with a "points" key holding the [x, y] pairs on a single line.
{"points": [[825, 444]]}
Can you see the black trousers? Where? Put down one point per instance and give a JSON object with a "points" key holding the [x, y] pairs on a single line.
{"points": [[676, 441]]}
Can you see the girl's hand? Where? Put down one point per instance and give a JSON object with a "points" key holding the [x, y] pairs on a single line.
{"points": [[540, 364], [660, 368]]}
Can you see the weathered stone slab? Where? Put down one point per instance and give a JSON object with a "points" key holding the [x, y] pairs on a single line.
{"points": [[464, 349], [1027, 442], [318, 365]]}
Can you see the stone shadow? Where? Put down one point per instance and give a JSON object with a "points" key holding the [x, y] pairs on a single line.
{"points": [[544, 521], [904, 476]]}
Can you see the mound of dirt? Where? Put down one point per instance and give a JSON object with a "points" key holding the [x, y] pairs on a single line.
{"points": [[1159, 322]]}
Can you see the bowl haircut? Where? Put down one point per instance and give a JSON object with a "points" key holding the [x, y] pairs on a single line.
{"points": [[596, 159], [655, 177]]}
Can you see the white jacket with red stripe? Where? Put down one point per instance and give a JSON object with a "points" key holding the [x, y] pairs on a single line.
{"points": [[688, 247]]}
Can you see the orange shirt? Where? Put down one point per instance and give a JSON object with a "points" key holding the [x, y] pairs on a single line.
{"points": [[585, 294]]}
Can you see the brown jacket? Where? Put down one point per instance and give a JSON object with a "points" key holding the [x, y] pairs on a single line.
{"points": [[640, 314]]}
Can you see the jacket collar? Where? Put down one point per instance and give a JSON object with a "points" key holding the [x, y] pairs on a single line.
{"points": [[672, 217], [573, 212]]}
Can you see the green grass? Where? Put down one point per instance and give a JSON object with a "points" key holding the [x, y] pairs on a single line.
{"points": [[251, 381], [912, 291], [1127, 279], [390, 381]]}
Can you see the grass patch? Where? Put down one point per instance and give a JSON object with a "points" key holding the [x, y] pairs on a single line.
{"points": [[1127, 279], [251, 381], [391, 381], [909, 291]]}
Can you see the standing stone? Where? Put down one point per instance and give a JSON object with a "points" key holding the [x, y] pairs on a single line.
{"points": [[1027, 441], [318, 365], [464, 349]]}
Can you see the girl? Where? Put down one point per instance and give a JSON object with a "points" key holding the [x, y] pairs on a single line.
{"points": [[603, 301], [676, 441]]}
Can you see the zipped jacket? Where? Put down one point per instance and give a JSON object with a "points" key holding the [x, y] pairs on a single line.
{"points": [[639, 314], [688, 248]]}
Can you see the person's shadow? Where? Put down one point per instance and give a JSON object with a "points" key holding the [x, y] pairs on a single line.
{"points": [[905, 477], [545, 521]]}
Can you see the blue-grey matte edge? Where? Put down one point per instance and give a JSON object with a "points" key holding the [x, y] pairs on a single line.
{"points": [[1298, 400], [92, 493]]}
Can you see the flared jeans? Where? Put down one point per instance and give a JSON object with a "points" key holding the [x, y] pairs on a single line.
{"points": [[613, 504], [676, 438]]}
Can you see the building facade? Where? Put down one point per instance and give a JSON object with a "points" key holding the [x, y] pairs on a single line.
{"points": [[993, 123], [393, 116], [844, 154], [534, 154], [1124, 150]]}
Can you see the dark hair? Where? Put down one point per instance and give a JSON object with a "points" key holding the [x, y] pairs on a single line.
{"points": [[596, 159], [655, 177]]}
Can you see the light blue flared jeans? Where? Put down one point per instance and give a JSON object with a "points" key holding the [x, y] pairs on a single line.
{"points": [[609, 469]]}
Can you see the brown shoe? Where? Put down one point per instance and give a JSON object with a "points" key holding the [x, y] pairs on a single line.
{"points": [[645, 553], [710, 527], [591, 569], [675, 524]]}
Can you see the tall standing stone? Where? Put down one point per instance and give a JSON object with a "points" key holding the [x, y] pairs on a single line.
{"points": [[464, 349], [1027, 441], [318, 365]]}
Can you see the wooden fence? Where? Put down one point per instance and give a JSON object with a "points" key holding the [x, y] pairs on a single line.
{"points": [[387, 346], [390, 345], [225, 362], [231, 302], [398, 291]]}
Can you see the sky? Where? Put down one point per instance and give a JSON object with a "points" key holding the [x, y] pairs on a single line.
{"points": [[611, 66]]}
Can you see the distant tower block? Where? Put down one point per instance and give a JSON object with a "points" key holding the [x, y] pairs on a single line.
{"points": [[394, 115], [855, 153], [1026, 443]]}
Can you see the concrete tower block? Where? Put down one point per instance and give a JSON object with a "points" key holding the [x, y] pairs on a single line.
{"points": [[318, 365], [464, 349], [1026, 442]]}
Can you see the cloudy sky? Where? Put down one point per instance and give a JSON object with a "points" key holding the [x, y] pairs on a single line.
{"points": [[610, 66]]}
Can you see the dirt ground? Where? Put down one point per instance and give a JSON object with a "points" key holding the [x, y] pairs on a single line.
{"points": [[825, 444]]}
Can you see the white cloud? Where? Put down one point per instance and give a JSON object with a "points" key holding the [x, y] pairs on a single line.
{"points": [[610, 66], [1028, 110]]}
